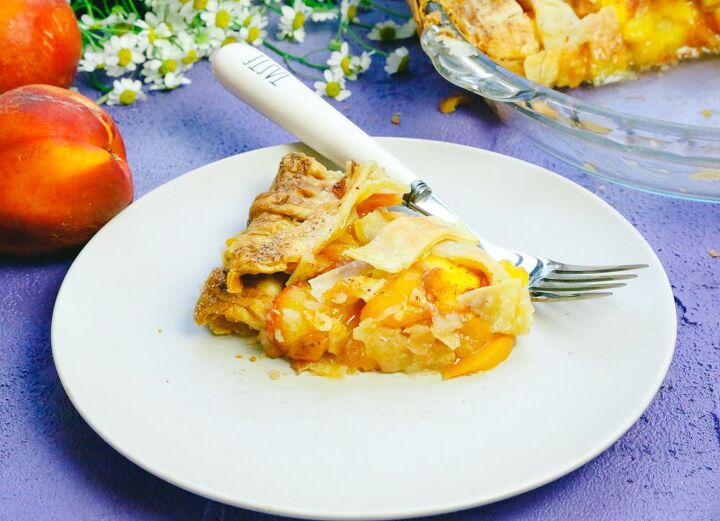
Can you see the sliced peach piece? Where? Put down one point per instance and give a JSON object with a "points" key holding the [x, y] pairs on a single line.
{"points": [[475, 334], [492, 353], [444, 281], [376, 201], [396, 293]]}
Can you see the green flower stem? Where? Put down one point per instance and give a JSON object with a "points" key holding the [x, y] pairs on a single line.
{"points": [[327, 6], [133, 7], [102, 99], [299, 74], [388, 10], [271, 7], [342, 25], [363, 25], [362, 43], [323, 49], [298, 59], [95, 83]]}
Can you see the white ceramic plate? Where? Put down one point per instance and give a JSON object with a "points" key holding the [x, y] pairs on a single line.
{"points": [[175, 400]]}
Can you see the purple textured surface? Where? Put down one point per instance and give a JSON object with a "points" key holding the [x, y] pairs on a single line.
{"points": [[53, 466]]}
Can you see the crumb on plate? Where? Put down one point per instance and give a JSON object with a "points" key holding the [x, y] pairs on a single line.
{"points": [[713, 253], [395, 118], [274, 374], [451, 103]]}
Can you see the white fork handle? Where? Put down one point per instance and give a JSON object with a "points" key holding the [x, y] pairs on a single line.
{"points": [[271, 90]]}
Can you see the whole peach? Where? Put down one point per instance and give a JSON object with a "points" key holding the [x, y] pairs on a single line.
{"points": [[63, 170], [39, 41]]}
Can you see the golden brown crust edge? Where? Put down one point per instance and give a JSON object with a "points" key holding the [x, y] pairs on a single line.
{"points": [[272, 241]]}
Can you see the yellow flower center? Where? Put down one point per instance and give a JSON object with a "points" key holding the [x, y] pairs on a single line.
{"points": [[151, 35], [123, 28], [298, 21], [200, 4], [333, 89], [404, 64], [253, 34], [190, 57], [228, 40], [387, 34], [345, 66], [124, 57], [168, 66], [128, 97], [247, 21], [222, 19], [352, 12]]}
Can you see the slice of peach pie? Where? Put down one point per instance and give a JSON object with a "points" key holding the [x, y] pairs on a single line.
{"points": [[330, 278]]}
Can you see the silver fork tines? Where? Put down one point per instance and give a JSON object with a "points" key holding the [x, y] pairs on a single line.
{"points": [[576, 268], [539, 296], [553, 281]]}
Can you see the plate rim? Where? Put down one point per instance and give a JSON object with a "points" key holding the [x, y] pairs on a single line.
{"points": [[320, 514]]}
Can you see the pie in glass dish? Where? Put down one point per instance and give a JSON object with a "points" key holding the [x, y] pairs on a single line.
{"points": [[561, 43], [329, 277]]}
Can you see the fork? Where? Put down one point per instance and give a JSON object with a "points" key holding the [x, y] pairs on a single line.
{"points": [[271, 90]]}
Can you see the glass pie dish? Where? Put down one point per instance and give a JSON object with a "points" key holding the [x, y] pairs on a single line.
{"points": [[653, 133]]}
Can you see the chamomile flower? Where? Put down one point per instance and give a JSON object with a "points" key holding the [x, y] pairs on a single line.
{"points": [[119, 19], [125, 92], [388, 31], [361, 63], [207, 39], [122, 54], [341, 58], [164, 70], [152, 28], [253, 32], [171, 81], [220, 14], [292, 21], [190, 8], [188, 48], [333, 86], [89, 23], [171, 14], [92, 61], [230, 37], [349, 10], [350, 65], [397, 61], [324, 15]]}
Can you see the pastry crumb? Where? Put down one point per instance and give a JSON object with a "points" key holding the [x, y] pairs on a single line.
{"points": [[274, 374], [159, 330], [395, 118], [239, 356], [253, 358], [713, 253], [451, 103], [707, 113]]}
